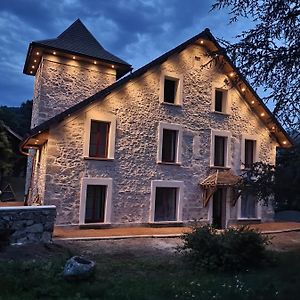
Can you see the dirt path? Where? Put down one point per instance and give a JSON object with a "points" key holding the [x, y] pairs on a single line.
{"points": [[135, 247]]}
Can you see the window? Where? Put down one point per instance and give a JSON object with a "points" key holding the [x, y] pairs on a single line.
{"points": [[165, 204], [248, 206], [249, 150], [171, 89], [220, 100], [95, 203], [249, 153], [220, 150], [169, 143], [166, 200], [99, 139], [95, 200], [99, 135]]}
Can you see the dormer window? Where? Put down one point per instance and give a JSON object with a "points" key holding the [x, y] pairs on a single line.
{"points": [[220, 100], [171, 89]]}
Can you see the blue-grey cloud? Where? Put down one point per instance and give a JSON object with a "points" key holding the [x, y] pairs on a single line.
{"points": [[135, 30]]}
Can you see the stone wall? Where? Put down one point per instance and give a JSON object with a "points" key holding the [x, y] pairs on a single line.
{"points": [[61, 83], [28, 224], [138, 110]]}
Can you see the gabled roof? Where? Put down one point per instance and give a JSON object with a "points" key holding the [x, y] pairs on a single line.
{"points": [[76, 40], [279, 133], [10, 131]]}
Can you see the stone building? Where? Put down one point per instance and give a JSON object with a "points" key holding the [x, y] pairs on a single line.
{"points": [[164, 144]]}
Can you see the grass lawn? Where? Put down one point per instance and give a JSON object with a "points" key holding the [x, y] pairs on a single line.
{"points": [[163, 277]]}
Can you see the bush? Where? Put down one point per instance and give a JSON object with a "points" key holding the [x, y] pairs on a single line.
{"points": [[233, 249]]}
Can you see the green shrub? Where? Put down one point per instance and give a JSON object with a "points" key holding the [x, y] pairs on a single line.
{"points": [[233, 249]]}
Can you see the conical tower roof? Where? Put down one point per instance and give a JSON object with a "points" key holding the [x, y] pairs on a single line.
{"points": [[77, 40]]}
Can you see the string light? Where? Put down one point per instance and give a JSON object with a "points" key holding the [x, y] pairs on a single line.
{"points": [[252, 102], [38, 53], [74, 57], [32, 67], [54, 53], [201, 42], [113, 66], [262, 114], [284, 142], [231, 74], [243, 89], [95, 62]]}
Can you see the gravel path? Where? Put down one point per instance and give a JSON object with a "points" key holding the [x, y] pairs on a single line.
{"points": [[134, 247]]}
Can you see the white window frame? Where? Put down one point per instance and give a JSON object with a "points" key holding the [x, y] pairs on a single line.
{"points": [[239, 210], [179, 197], [226, 134], [256, 148], [108, 198], [179, 87], [170, 126], [225, 100], [100, 117]]}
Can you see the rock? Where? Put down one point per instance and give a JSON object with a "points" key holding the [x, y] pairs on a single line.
{"points": [[78, 268], [35, 228], [46, 237]]}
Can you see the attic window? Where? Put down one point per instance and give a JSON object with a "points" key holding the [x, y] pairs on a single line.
{"points": [[171, 89], [220, 100]]}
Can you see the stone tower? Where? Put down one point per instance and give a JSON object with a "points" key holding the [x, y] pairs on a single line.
{"points": [[68, 69]]}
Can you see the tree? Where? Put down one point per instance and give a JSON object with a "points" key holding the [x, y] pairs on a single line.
{"points": [[269, 53], [288, 178], [5, 154], [17, 118]]}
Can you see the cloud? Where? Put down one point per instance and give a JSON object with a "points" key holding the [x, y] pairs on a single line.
{"points": [[135, 30]]}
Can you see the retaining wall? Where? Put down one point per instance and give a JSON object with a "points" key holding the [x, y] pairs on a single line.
{"points": [[27, 224]]}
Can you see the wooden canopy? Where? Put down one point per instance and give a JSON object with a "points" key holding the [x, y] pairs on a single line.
{"points": [[215, 180]]}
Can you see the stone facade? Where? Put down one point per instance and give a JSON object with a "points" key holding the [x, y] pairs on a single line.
{"points": [[139, 112], [61, 83], [25, 224]]}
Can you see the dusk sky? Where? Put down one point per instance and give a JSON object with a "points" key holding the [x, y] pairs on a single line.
{"points": [[135, 30]]}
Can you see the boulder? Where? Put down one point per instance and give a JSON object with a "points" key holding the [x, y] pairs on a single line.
{"points": [[78, 268]]}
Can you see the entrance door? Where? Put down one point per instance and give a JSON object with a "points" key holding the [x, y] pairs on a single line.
{"points": [[219, 209], [95, 203]]}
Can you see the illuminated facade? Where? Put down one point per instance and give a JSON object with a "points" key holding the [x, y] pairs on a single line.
{"points": [[136, 150]]}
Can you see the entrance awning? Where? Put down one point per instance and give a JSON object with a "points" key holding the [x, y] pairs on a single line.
{"points": [[218, 179]]}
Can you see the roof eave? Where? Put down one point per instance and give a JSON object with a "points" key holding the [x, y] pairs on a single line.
{"points": [[122, 68]]}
